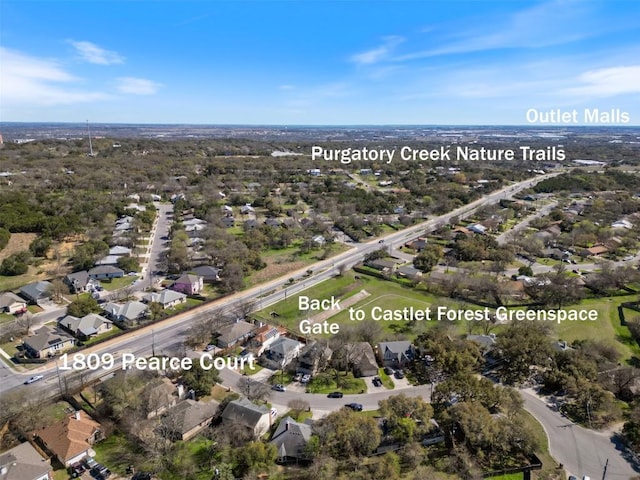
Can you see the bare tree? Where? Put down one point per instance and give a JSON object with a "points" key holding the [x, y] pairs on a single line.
{"points": [[252, 389]]}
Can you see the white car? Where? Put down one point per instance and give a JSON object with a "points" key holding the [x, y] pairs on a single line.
{"points": [[33, 379]]}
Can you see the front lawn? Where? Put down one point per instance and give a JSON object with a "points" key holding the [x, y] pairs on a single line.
{"points": [[387, 382], [117, 283], [326, 383]]}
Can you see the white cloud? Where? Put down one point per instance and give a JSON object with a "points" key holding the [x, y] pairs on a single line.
{"points": [[137, 86], [547, 24], [606, 82], [92, 53], [31, 81], [377, 54], [286, 87]]}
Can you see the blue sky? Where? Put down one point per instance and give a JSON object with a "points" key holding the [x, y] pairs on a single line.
{"points": [[316, 61]]}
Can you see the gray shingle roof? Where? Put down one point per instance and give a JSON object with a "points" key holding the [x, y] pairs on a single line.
{"points": [[291, 437], [244, 412], [23, 463]]}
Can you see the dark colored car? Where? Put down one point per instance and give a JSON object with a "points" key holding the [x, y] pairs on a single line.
{"points": [[388, 370], [377, 382], [335, 395], [141, 476], [356, 407], [76, 470], [399, 374]]}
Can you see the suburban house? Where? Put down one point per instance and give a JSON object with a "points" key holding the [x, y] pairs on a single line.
{"points": [[282, 352], [486, 342], [358, 357], [407, 271], [477, 228], [23, 462], [87, 326], [256, 419], [237, 332], [597, 250], [188, 418], [229, 221], [166, 298], [105, 272], [265, 336], [119, 250], [128, 313], [79, 282], [417, 244], [395, 354], [37, 291], [11, 303], [188, 284], [47, 342], [314, 357], [159, 394], [208, 273], [71, 439], [383, 265], [290, 440], [108, 260]]}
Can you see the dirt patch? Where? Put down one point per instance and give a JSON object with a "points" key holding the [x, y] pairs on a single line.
{"points": [[275, 270], [17, 243]]}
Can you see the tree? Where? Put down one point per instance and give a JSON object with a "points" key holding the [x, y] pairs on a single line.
{"points": [[128, 263], [254, 455], [39, 246], [407, 417], [232, 278], [5, 235], [428, 258], [253, 389], [83, 306], [201, 380], [521, 346], [16, 264], [345, 434], [57, 289]]}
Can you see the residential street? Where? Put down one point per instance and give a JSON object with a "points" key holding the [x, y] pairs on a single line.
{"points": [[582, 451]]}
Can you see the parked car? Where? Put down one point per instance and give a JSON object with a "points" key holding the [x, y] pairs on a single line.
{"points": [[209, 347], [279, 388], [76, 470], [298, 377], [399, 374], [388, 370], [356, 407], [376, 382], [33, 379], [89, 462], [305, 378], [335, 395]]}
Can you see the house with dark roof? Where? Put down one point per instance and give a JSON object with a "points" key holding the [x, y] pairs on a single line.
{"points": [[244, 413], [159, 395], [36, 292], [208, 273], [188, 284], [188, 418], [71, 439], [314, 357], [417, 244], [357, 357], [407, 271], [395, 354], [105, 272], [290, 440], [237, 332], [79, 282], [167, 298], [47, 342], [87, 326], [11, 303], [23, 462]]}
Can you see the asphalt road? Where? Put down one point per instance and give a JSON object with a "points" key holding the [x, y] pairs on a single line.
{"points": [[582, 451]]}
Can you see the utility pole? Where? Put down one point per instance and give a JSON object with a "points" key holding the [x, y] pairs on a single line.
{"points": [[153, 343], [604, 472]]}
